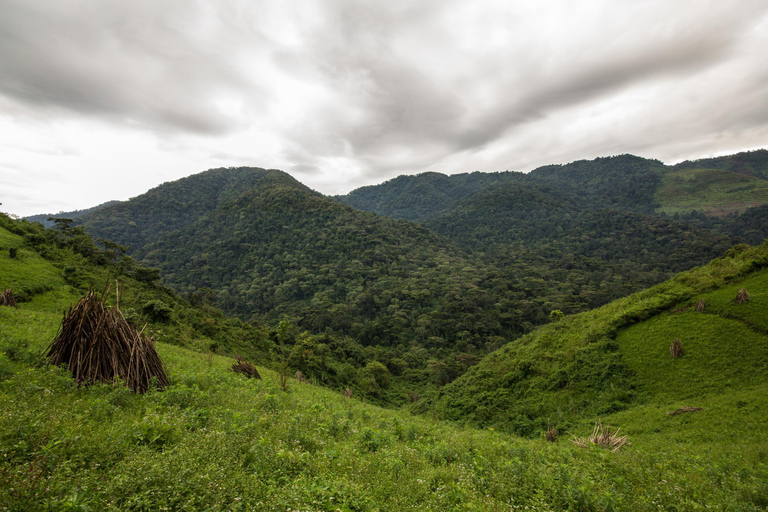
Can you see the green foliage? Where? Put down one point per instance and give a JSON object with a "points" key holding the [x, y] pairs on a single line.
{"points": [[509, 249], [213, 441], [157, 310]]}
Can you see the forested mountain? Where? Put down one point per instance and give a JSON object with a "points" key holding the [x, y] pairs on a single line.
{"points": [[626, 182], [459, 316], [750, 163], [215, 440], [424, 195]]}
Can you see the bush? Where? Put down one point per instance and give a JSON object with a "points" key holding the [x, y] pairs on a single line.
{"points": [[157, 310]]}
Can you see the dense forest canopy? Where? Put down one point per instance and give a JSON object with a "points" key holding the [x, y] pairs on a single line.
{"points": [[491, 255]]}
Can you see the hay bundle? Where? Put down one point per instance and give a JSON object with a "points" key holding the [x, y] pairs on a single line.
{"points": [[246, 368], [701, 305], [675, 349], [7, 298], [98, 345], [741, 297]]}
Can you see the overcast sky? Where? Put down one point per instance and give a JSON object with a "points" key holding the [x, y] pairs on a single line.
{"points": [[104, 99]]}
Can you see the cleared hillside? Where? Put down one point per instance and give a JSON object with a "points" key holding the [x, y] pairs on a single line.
{"points": [[713, 191]]}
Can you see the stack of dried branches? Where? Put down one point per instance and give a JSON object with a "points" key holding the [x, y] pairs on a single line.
{"points": [[701, 305], [98, 345], [246, 368], [741, 297], [675, 349], [7, 298], [603, 438]]}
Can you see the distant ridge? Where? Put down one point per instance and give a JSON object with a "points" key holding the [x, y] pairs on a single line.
{"points": [[43, 217]]}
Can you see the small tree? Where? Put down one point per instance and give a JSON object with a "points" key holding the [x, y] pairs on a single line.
{"points": [[286, 332], [556, 315]]}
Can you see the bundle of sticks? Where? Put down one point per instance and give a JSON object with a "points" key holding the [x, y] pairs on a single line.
{"points": [[98, 345]]}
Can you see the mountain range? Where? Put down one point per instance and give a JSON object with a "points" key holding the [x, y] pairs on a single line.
{"points": [[429, 273]]}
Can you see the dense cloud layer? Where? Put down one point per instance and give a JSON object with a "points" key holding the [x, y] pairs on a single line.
{"points": [[103, 98]]}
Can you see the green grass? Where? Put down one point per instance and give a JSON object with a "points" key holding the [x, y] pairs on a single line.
{"points": [[719, 354], [214, 440], [217, 441], [711, 190]]}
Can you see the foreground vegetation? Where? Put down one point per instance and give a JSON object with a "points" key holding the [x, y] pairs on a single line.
{"points": [[214, 440]]}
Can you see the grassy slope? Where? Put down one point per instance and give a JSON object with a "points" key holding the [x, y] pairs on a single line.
{"points": [[584, 365], [220, 442], [714, 191]]}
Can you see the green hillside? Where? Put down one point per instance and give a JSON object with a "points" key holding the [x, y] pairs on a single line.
{"points": [[43, 218], [621, 182], [214, 440], [618, 356], [424, 195]]}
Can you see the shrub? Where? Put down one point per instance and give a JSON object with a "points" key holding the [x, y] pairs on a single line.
{"points": [[157, 310]]}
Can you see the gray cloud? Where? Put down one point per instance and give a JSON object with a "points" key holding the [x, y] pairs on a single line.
{"points": [[402, 104], [140, 62], [368, 90]]}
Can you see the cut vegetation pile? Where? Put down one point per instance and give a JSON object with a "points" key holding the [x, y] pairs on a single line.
{"points": [[675, 349], [603, 438], [742, 296], [7, 298], [98, 345], [246, 368]]}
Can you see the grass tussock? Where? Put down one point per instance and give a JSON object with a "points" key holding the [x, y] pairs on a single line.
{"points": [[603, 438], [675, 349], [551, 435], [97, 344]]}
